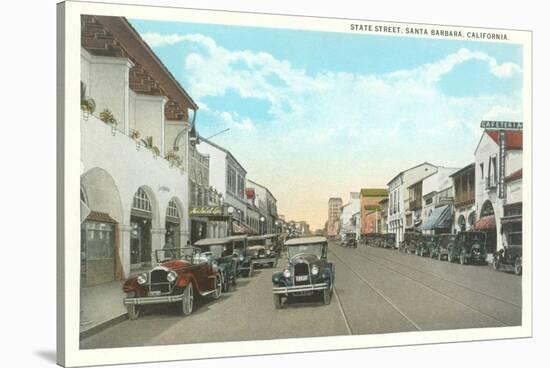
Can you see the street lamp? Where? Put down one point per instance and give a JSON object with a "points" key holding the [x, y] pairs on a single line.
{"points": [[262, 220]]}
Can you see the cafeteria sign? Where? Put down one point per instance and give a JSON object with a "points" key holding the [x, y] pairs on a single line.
{"points": [[502, 125], [205, 211]]}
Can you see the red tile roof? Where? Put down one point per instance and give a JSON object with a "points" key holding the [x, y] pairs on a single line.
{"points": [[100, 217], [514, 139], [514, 176]]}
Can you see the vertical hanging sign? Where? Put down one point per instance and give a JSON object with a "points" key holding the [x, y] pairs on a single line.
{"points": [[501, 162]]}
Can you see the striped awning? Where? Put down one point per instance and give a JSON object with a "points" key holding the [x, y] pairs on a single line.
{"points": [[486, 223], [241, 228], [439, 219]]}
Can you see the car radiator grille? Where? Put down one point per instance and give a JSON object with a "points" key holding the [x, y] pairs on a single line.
{"points": [[159, 281], [301, 270]]}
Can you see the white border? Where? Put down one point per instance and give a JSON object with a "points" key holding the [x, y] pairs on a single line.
{"points": [[76, 357]]}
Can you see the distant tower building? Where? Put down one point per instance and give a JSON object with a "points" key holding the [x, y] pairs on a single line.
{"points": [[334, 210]]}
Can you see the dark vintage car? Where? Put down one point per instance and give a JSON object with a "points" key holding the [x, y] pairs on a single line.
{"points": [[308, 271], [469, 247], [263, 250], [222, 250], [349, 240], [180, 274], [443, 242], [410, 242], [389, 241], [426, 244], [240, 249], [509, 256]]}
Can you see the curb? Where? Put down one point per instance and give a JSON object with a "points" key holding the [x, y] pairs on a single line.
{"points": [[103, 325]]}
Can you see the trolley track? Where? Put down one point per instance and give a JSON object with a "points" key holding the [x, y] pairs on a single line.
{"points": [[378, 292], [426, 286], [439, 277]]}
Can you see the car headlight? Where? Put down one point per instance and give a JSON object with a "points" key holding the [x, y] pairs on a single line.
{"points": [[314, 270], [286, 273], [172, 276], [268, 252], [215, 266], [142, 278], [241, 258]]}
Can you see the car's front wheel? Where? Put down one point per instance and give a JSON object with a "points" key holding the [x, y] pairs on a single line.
{"points": [[218, 286], [187, 300], [463, 259], [518, 269], [449, 257], [277, 301]]}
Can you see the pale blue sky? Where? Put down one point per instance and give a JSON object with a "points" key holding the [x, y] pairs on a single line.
{"points": [[316, 114]]}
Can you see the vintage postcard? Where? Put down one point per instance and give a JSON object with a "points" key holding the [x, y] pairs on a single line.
{"points": [[243, 184]]}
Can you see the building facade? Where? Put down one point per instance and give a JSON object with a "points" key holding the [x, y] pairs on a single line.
{"points": [[464, 185], [398, 206], [496, 176], [334, 212], [348, 210], [437, 202], [267, 203], [228, 177], [371, 216], [134, 172]]}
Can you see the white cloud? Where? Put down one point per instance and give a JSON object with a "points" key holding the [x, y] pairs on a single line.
{"points": [[341, 106]]}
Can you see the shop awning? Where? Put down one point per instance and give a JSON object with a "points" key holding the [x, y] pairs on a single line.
{"points": [[439, 219], [101, 217], [486, 223], [240, 228]]}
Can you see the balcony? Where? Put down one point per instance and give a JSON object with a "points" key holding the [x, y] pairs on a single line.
{"points": [[415, 204], [465, 198]]}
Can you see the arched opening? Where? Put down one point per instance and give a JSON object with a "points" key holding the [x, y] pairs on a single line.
{"points": [[487, 224], [173, 223], [141, 222], [100, 260], [462, 223]]}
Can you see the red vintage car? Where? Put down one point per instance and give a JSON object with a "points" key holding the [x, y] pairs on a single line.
{"points": [[180, 274]]}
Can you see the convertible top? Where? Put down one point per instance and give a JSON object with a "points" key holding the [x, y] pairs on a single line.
{"points": [[214, 241], [266, 236], [308, 240]]}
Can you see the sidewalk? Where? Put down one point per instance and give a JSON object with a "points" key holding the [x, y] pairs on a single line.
{"points": [[100, 307]]}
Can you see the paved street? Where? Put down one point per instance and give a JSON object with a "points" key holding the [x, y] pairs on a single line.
{"points": [[377, 291]]}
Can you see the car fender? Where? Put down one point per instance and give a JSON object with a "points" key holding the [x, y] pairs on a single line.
{"points": [[186, 279], [130, 285]]}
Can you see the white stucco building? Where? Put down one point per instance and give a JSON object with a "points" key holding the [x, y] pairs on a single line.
{"points": [[437, 201], [398, 203], [134, 181], [488, 178], [348, 211]]}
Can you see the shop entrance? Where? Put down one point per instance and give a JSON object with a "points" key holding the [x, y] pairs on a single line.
{"points": [[172, 225], [141, 223]]}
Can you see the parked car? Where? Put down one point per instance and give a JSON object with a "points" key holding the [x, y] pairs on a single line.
{"points": [[389, 241], [411, 242], [308, 271], [180, 274], [222, 250], [349, 240], [262, 250], [240, 249], [443, 242], [426, 244], [511, 256], [469, 246]]}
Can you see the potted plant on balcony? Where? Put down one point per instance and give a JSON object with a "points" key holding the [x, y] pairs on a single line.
{"points": [[87, 105], [135, 134], [148, 142]]}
